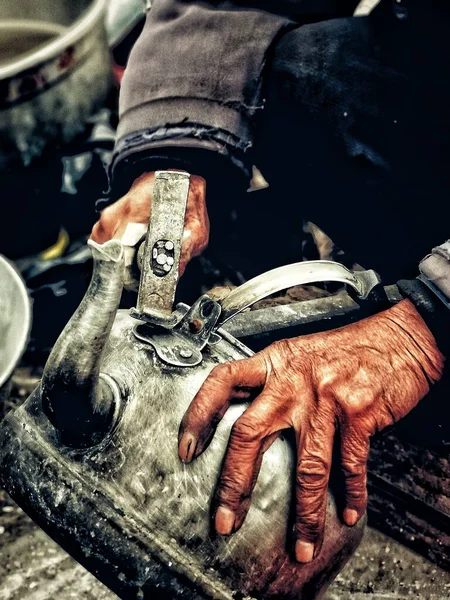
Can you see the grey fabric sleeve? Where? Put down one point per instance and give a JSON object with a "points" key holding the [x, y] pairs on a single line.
{"points": [[194, 78], [430, 293], [435, 271]]}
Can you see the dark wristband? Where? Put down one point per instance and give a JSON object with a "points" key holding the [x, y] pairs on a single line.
{"points": [[432, 310]]}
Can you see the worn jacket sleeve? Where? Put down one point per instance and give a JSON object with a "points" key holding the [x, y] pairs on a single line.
{"points": [[193, 86]]}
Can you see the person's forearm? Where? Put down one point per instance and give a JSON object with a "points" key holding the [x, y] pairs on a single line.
{"points": [[194, 78]]}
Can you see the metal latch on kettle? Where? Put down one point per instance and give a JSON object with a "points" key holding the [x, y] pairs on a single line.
{"points": [[179, 337]]}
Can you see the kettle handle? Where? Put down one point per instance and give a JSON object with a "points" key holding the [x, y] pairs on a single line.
{"points": [[277, 280], [162, 246]]}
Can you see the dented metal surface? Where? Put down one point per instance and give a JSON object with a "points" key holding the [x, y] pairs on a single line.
{"points": [[137, 517], [92, 457]]}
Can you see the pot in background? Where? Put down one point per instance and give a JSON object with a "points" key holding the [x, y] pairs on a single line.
{"points": [[15, 322], [55, 71], [122, 16]]}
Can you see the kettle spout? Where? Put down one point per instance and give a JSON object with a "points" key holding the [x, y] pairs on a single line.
{"points": [[81, 404]]}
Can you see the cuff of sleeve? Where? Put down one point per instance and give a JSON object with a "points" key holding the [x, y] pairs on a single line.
{"points": [[194, 148], [434, 312], [435, 272]]}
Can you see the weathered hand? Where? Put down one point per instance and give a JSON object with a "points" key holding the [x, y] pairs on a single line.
{"points": [[135, 207], [357, 379]]}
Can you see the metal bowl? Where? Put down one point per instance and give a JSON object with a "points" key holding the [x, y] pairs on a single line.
{"points": [[54, 72], [15, 319], [122, 17]]}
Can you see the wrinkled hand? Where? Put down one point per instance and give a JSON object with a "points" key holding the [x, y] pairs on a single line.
{"points": [[135, 207], [358, 379]]}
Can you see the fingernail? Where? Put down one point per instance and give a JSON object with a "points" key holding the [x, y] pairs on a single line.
{"points": [[304, 551], [350, 517], [224, 521], [187, 447]]}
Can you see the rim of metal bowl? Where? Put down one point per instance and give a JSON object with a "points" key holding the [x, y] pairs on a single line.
{"points": [[83, 25], [23, 339]]}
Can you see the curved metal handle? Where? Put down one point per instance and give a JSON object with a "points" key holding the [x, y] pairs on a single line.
{"points": [[301, 273]]}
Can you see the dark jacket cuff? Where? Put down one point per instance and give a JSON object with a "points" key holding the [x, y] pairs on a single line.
{"points": [[217, 156], [434, 312]]}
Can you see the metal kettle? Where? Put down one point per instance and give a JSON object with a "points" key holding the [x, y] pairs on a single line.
{"points": [[92, 454]]}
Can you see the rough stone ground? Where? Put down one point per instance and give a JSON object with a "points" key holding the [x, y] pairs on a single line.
{"points": [[33, 567]]}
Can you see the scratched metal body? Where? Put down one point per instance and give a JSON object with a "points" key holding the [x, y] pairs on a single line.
{"points": [[92, 454], [135, 483]]}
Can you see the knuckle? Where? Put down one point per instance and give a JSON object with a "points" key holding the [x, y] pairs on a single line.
{"points": [[354, 468], [198, 411], [354, 402], [356, 500], [356, 487], [96, 230], [233, 490], [312, 474], [246, 431], [355, 473], [308, 526], [223, 372], [291, 360], [310, 514], [107, 218], [281, 347], [201, 418], [107, 213], [356, 497]]}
